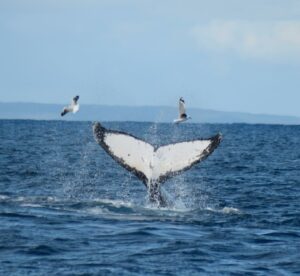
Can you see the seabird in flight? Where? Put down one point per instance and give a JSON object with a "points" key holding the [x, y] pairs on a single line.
{"points": [[73, 107], [182, 114]]}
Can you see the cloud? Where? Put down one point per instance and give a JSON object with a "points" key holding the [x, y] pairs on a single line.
{"points": [[272, 40]]}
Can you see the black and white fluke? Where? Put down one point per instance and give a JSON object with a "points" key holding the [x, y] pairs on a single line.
{"points": [[153, 165]]}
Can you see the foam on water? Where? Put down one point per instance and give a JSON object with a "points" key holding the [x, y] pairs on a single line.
{"points": [[3, 197], [225, 210], [31, 205]]}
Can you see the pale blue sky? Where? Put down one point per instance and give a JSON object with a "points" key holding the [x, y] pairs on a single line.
{"points": [[225, 55]]}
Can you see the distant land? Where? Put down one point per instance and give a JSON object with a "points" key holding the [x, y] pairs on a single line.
{"points": [[37, 111]]}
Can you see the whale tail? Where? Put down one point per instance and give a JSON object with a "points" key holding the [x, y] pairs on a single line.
{"points": [[153, 165]]}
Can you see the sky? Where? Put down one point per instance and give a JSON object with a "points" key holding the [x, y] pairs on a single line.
{"points": [[228, 55]]}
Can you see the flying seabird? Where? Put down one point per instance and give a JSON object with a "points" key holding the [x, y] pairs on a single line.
{"points": [[73, 107], [182, 115]]}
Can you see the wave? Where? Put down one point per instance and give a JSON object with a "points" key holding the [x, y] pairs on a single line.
{"points": [[113, 209]]}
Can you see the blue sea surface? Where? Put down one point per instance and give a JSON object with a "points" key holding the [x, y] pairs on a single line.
{"points": [[67, 208]]}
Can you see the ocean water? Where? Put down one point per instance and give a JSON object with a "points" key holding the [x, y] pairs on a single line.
{"points": [[66, 208]]}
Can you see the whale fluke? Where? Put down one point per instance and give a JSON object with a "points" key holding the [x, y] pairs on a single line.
{"points": [[153, 165]]}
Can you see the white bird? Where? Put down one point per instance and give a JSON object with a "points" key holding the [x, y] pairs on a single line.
{"points": [[182, 115], [73, 107]]}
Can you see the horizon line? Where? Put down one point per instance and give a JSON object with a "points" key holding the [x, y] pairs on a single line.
{"points": [[157, 106]]}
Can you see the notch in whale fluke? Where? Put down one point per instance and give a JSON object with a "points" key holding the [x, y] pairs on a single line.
{"points": [[153, 165]]}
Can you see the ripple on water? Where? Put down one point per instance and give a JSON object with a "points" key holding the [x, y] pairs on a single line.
{"points": [[67, 208]]}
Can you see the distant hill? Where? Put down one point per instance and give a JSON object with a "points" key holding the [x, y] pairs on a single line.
{"points": [[135, 113]]}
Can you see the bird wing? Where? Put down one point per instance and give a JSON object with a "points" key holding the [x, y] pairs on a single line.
{"points": [[181, 107], [74, 100]]}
